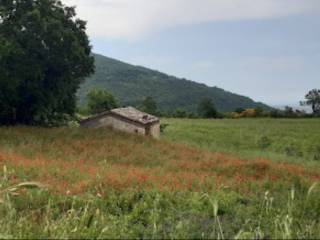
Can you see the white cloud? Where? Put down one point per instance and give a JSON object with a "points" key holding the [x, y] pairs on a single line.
{"points": [[129, 19]]}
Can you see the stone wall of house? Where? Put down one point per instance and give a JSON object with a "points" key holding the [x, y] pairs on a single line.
{"points": [[118, 124], [122, 125], [155, 130], [115, 123]]}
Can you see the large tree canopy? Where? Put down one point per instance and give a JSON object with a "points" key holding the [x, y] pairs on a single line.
{"points": [[44, 56]]}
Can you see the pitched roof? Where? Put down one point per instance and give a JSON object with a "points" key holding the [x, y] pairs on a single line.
{"points": [[135, 115], [129, 113]]}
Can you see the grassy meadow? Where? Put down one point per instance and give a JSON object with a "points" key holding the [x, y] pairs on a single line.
{"points": [[248, 178], [282, 140]]}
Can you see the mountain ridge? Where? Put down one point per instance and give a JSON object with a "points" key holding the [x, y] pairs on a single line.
{"points": [[131, 84]]}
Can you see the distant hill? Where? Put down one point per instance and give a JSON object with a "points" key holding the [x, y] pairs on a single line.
{"points": [[130, 84]]}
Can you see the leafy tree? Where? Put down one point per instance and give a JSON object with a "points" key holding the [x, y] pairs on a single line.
{"points": [[276, 113], [180, 113], [44, 56], [149, 105], [289, 112], [207, 109], [313, 100], [100, 100]]}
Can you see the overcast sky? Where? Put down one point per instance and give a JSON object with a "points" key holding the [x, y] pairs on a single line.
{"points": [[266, 49]]}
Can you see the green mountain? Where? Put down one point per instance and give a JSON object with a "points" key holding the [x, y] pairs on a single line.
{"points": [[131, 84]]}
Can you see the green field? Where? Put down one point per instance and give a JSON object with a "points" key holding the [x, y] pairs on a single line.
{"points": [[248, 178], [284, 140]]}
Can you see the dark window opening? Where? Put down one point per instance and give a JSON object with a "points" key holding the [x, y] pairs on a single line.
{"points": [[148, 132]]}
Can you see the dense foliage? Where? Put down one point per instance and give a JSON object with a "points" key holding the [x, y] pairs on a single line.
{"points": [[149, 105], [207, 109], [44, 56], [100, 100], [131, 84]]}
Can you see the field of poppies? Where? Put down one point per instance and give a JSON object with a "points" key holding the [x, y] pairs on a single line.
{"points": [[204, 179]]}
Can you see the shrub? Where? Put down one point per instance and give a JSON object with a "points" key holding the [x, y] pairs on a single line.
{"points": [[180, 113], [250, 112], [73, 124], [163, 126], [233, 115], [293, 151]]}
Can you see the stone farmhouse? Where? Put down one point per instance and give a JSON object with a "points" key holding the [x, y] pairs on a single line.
{"points": [[126, 119]]}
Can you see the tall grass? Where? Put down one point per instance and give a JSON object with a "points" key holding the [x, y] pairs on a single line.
{"points": [[106, 184], [154, 215]]}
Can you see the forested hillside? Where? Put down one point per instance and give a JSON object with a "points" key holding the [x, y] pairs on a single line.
{"points": [[130, 84]]}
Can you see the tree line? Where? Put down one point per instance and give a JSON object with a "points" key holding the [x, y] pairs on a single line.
{"points": [[99, 100]]}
